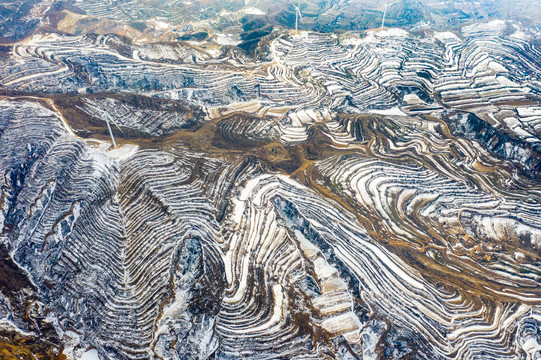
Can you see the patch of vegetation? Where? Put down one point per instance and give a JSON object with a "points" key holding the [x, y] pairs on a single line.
{"points": [[197, 36]]}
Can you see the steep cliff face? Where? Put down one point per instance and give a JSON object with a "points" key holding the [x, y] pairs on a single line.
{"points": [[502, 144]]}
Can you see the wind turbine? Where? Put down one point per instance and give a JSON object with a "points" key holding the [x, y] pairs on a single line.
{"points": [[385, 12], [298, 16], [110, 131], [106, 116]]}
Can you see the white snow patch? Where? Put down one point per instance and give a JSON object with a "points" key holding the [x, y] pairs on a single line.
{"points": [[394, 111], [529, 111], [227, 39], [354, 40], [121, 152], [497, 66], [392, 32], [505, 81], [444, 36], [160, 25], [519, 34], [252, 11], [213, 52], [323, 269], [91, 354], [412, 99], [531, 346], [372, 35]]}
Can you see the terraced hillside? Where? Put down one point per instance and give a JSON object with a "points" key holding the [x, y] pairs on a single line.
{"points": [[362, 195]]}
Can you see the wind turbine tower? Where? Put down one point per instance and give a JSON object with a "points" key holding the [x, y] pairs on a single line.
{"points": [[385, 12], [298, 16], [110, 131], [106, 116]]}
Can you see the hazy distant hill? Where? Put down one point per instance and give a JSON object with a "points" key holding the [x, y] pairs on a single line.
{"points": [[148, 18]]}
